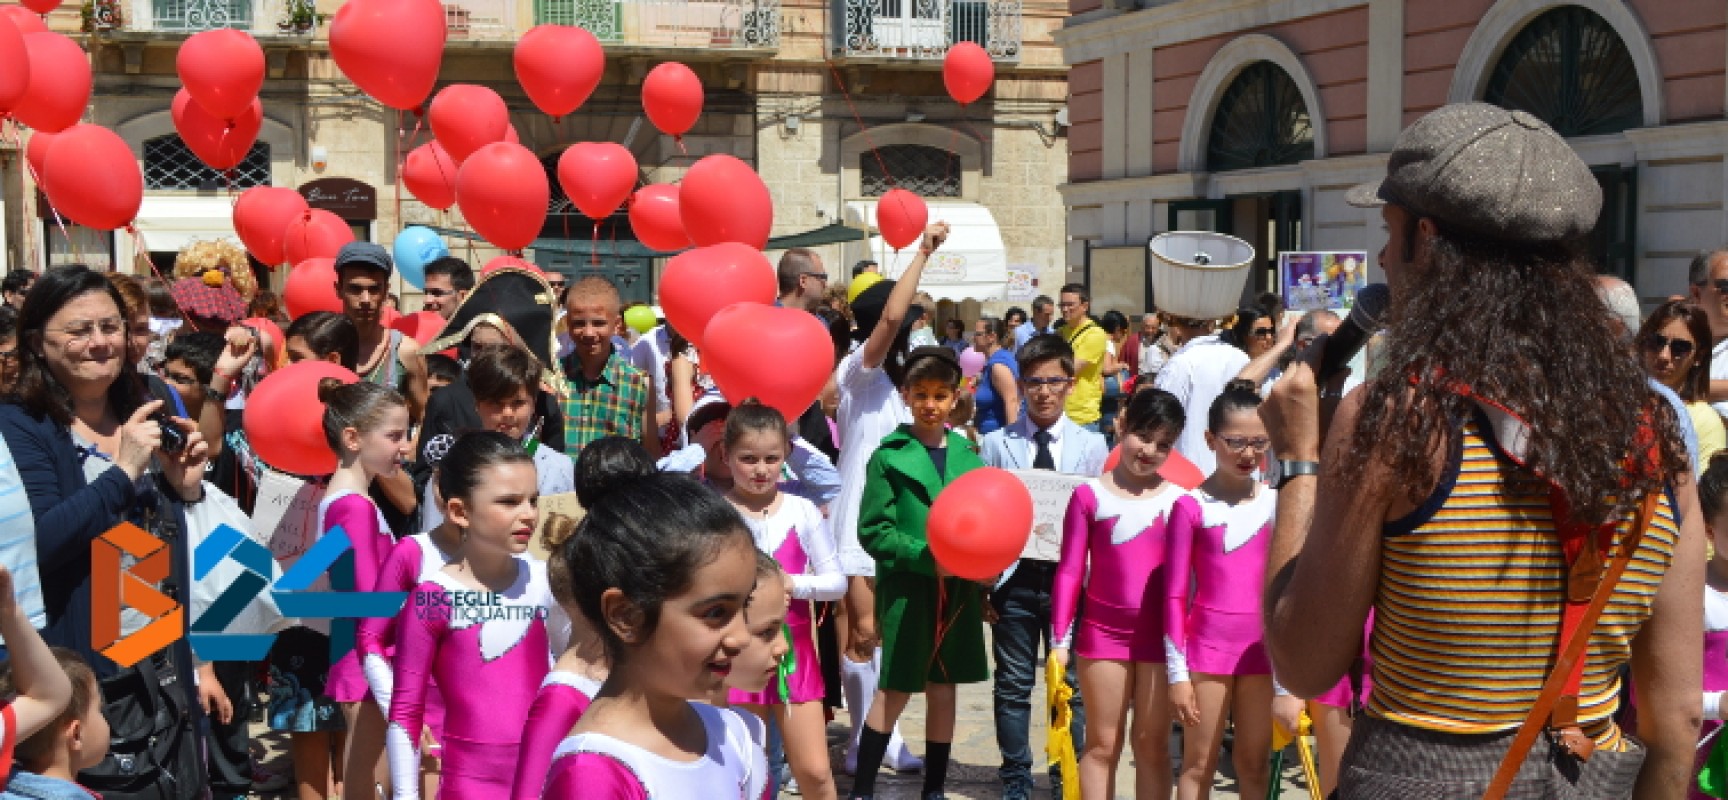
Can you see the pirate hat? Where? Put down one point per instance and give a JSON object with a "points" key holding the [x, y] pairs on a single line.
{"points": [[517, 302]]}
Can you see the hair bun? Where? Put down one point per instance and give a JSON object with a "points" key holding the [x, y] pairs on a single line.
{"points": [[1241, 385], [328, 387]]}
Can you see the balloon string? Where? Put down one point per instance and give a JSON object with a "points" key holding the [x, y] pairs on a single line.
{"points": [[862, 128], [401, 162], [141, 252], [594, 246], [14, 128], [37, 180]]}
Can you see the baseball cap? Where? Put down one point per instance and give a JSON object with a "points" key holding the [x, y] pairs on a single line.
{"points": [[364, 254], [1484, 170]]}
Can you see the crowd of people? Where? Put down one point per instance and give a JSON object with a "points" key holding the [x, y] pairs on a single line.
{"points": [[1405, 554]]}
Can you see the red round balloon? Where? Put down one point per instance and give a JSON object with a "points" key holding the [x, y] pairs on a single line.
{"points": [[654, 218], [466, 118], [803, 356], [311, 287], [92, 178], [391, 49], [261, 217], [559, 66], [503, 193], [513, 262], [220, 143], [41, 6], [510, 134], [967, 71], [421, 326], [901, 216], [14, 65], [698, 283], [430, 174], [597, 177], [284, 418], [979, 523], [36, 153], [672, 96], [722, 199], [223, 69], [314, 234], [59, 83], [27, 21]]}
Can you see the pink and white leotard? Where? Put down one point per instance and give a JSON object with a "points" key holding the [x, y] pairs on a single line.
{"points": [[1220, 549], [1715, 675], [1123, 541], [798, 537], [563, 697], [370, 534], [488, 652], [411, 562], [593, 766]]}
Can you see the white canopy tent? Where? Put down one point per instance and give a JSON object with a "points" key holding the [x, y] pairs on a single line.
{"points": [[972, 264]]}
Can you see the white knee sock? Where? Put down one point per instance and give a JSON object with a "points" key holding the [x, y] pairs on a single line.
{"points": [[859, 681]]}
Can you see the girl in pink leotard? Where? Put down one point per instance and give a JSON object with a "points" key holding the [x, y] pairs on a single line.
{"points": [[665, 568], [366, 424], [582, 666], [1113, 543], [793, 531], [478, 626], [1219, 535]]}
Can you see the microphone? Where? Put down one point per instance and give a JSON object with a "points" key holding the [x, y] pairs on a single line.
{"points": [[1365, 318]]}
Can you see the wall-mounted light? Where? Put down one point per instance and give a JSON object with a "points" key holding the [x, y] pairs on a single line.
{"points": [[320, 158], [791, 123]]}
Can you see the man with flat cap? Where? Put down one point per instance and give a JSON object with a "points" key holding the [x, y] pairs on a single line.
{"points": [[1506, 490]]}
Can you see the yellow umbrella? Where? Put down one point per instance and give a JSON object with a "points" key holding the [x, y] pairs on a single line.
{"points": [[1060, 747]]}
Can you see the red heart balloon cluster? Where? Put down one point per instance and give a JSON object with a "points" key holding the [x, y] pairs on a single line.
{"points": [[217, 112], [789, 382]]}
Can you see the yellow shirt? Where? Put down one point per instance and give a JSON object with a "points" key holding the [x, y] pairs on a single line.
{"points": [[1712, 435], [1088, 342]]}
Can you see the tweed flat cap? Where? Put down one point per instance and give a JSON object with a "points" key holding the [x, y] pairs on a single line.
{"points": [[1483, 170]]}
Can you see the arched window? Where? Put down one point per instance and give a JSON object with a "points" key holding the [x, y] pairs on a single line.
{"points": [[1261, 121], [170, 165], [1570, 69], [921, 170]]}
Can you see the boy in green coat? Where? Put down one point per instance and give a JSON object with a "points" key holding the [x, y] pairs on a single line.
{"points": [[932, 623]]}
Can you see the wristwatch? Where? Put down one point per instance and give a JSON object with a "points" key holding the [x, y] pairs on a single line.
{"points": [[1291, 469]]}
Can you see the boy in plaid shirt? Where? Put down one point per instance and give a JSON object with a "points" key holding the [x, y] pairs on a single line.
{"points": [[604, 395]]}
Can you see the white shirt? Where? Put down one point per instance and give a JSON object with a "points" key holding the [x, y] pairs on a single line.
{"points": [[1196, 374], [1719, 371], [1025, 427], [870, 408], [649, 355]]}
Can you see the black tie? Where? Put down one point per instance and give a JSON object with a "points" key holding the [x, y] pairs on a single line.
{"points": [[1044, 460]]}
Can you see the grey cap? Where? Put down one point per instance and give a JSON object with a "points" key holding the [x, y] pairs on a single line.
{"points": [[1480, 169], [364, 254]]}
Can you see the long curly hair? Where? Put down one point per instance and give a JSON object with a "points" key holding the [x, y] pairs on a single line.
{"points": [[223, 256], [1519, 325]]}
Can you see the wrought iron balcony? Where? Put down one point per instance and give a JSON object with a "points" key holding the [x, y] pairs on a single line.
{"points": [[681, 24], [925, 29], [274, 17]]}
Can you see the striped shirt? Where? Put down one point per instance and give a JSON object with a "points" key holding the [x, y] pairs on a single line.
{"points": [[1467, 619], [612, 404]]}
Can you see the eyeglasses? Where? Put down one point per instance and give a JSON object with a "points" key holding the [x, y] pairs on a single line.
{"points": [[440, 293], [1067, 304], [821, 276], [1263, 333], [1237, 443], [1046, 384], [79, 333], [1680, 348], [1721, 285], [8, 356]]}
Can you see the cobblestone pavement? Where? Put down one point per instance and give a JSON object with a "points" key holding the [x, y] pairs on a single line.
{"points": [[972, 774]]}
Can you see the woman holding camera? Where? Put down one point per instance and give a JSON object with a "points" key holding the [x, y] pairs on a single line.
{"points": [[93, 450]]}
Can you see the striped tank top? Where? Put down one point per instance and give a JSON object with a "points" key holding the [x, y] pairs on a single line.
{"points": [[1467, 620]]}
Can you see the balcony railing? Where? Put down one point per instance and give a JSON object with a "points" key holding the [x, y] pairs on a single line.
{"points": [[925, 29], [691, 24], [277, 17], [487, 20]]}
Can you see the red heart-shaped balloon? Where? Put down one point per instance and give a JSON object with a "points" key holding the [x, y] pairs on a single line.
{"points": [[698, 283], [789, 382]]}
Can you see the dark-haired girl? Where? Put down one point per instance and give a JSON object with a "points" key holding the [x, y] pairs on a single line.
{"points": [[1113, 543], [793, 531], [664, 568], [478, 627], [932, 623], [367, 427], [1218, 669]]}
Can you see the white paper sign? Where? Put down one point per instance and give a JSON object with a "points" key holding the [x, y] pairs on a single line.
{"points": [[1050, 492], [285, 516]]}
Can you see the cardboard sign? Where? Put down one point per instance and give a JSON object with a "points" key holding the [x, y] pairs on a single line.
{"points": [[1050, 492], [559, 508]]}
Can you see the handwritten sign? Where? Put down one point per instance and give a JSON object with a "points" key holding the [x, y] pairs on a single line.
{"points": [[285, 515], [555, 509], [1050, 492]]}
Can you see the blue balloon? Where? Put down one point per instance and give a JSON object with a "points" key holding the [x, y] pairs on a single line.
{"points": [[415, 247]]}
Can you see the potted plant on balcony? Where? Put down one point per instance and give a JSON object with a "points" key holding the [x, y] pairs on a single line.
{"points": [[100, 15], [298, 17]]}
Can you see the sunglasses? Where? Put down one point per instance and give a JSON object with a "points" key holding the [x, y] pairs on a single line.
{"points": [[1263, 333], [1679, 348]]}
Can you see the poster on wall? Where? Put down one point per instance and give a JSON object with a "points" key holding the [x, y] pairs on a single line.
{"points": [[1022, 283], [1327, 279]]}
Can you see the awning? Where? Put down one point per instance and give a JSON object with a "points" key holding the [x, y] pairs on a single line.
{"points": [[972, 264], [169, 223], [833, 233]]}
